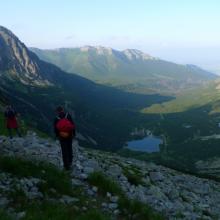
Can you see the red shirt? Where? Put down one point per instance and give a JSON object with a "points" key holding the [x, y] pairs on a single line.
{"points": [[12, 122]]}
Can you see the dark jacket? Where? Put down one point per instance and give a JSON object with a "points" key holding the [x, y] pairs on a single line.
{"points": [[60, 116]]}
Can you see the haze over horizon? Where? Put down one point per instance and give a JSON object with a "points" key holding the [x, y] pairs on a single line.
{"points": [[182, 32]]}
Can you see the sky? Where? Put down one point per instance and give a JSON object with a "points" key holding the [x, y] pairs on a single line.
{"points": [[183, 31]]}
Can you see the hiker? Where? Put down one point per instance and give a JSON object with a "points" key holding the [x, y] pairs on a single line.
{"points": [[64, 129], [11, 121]]}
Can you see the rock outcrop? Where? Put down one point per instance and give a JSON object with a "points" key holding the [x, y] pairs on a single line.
{"points": [[18, 61]]}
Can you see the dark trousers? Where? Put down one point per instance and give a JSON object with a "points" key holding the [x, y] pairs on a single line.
{"points": [[67, 152], [10, 132]]}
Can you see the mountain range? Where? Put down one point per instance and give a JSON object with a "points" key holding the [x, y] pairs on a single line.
{"points": [[130, 70], [36, 87]]}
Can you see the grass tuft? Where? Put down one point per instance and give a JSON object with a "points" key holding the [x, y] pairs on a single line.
{"points": [[135, 210], [4, 215], [104, 183], [49, 211], [130, 209], [93, 214], [53, 177], [134, 179]]}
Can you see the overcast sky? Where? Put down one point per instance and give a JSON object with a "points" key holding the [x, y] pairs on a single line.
{"points": [[184, 31]]}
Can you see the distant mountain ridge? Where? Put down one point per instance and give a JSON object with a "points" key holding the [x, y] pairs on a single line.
{"points": [[128, 53], [130, 70]]}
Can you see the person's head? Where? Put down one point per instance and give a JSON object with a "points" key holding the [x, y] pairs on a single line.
{"points": [[59, 109]]}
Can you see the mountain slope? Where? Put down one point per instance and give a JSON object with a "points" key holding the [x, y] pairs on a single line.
{"points": [[123, 188], [131, 70], [37, 87], [190, 125], [18, 61], [206, 95]]}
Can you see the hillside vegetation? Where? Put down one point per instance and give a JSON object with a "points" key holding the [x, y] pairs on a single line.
{"points": [[206, 95]]}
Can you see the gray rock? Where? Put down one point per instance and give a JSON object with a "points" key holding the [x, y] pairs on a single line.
{"points": [[115, 171], [173, 194], [155, 191], [114, 199], [3, 202], [95, 189], [83, 176], [116, 212], [104, 205], [68, 200], [20, 215], [88, 170], [76, 182], [84, 208], [112, 206], [90, 192], [108, 195], [156, 176], [92, 164]]}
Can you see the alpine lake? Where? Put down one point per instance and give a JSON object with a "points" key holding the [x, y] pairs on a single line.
{"points": [[147, 144]]}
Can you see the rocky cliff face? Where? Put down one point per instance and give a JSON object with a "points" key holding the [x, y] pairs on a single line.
{"points": [[17, 60], [174, 194]]}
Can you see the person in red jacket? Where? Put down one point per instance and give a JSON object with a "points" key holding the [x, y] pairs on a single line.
{"points": [[64, 129], [11, 121]]}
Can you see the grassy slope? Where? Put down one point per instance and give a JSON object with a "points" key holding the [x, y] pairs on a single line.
{"points": [[188, 100], [183, 121], [53, 179]]}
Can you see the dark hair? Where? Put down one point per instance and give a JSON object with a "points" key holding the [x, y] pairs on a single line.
{"points": [[59, 109]]}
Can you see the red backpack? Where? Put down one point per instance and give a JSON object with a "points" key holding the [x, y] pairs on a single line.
{"points": [[65, 127]]}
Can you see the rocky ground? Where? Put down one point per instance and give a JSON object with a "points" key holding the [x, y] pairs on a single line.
{"points": [[211, 166], [174, 194]]}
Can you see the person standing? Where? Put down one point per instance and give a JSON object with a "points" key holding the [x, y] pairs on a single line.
{"points": [[11, 121], [64, 129]]}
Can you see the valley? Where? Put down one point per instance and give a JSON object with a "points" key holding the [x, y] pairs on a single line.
{"points": [[115, 92], [109, 110]]}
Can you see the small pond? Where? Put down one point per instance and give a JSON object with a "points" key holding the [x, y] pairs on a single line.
{"points": [[148, 144]]}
